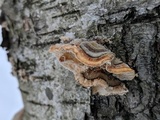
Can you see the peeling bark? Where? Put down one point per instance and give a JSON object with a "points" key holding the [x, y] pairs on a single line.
{"points": [[49, 90]]}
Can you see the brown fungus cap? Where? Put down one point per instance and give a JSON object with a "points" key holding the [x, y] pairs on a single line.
{"points": [[120, 70], [81, 55], [89, 62]]}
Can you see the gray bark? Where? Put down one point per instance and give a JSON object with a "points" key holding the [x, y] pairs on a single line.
{"points": [[49, 91]]}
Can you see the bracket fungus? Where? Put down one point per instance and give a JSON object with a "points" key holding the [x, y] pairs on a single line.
{"points": [[93, 66]]}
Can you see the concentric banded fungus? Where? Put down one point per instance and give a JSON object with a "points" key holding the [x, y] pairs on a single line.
{"points": [[82, 56], [94, 50], [120, 70], [89, 62]]}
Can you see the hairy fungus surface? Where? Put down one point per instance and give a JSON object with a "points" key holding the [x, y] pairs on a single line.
{"points": [[94, 66]]}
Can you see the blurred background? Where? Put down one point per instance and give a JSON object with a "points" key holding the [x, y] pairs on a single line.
{"points": [[10, 97]]}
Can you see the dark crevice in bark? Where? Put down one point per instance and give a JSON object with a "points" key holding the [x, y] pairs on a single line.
{"points": [[156, 47], [157, 9], [151, 113], [88, 117], [14, 1], [118, 11], [40, 104], [141, 94], [46, 3], [59, 5], [18, 41], [45, 44], [148, 17], [30, 116], [93, 106], [72, 102], [29, 66], [43, 78], [118, 105], [54, 32], [17, 65], [130, 15], [68, 13], [102, 105], [156, 69], [125, 30], [6, 43], [34, 2], [24, 92], [145, 18]]}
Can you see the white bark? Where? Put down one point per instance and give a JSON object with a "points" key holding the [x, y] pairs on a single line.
{"points": [[49, 90]]}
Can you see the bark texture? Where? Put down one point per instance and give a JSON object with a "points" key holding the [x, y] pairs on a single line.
{"points": [[49, 90]]}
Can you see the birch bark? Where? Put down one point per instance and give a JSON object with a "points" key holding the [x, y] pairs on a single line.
{"points": [[49, 91]]}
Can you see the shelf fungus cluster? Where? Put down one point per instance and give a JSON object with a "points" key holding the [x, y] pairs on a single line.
{"points": [[94, 66]]}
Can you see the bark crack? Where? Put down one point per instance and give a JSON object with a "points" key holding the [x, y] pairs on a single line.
{"points": [[73, 102], [44, 44], [68, 13], [40, 104]]}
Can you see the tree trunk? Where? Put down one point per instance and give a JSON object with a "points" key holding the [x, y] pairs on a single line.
{"points": [[49, 91]]}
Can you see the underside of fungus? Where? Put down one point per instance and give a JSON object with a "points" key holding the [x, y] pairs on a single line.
{"points": [[93, 66]]}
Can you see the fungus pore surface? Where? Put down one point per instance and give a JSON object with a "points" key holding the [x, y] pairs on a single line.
{"points": [[93, 66]]}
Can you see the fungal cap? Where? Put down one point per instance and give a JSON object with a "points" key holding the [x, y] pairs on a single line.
{"points": [[81, 55], [54, 48], [126, 75], [120, 70], [117, 90], [94, 49]]}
